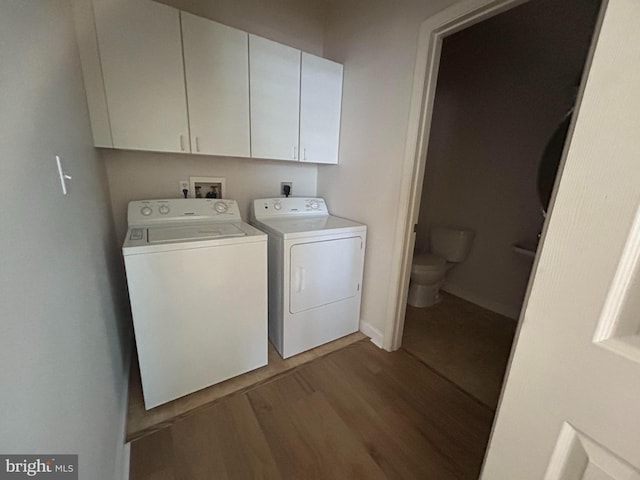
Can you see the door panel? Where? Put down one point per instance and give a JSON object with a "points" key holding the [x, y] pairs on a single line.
{"points": [[324, 272], [619, 326], [575, 367], [578, 457]]}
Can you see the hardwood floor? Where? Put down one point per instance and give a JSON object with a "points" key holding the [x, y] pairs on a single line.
{"points": [[465, 343], [357, 413], [141, 422]]}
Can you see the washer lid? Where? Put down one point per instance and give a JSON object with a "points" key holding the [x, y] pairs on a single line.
{"points": [[193, 232]]}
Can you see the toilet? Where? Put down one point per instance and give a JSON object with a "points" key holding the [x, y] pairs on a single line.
{"points": [[428, 271]]}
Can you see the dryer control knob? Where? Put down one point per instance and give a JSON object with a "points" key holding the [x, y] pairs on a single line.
{"points": [[221, 207], [164, 209], [277, 206], [314, 204], [146, 211]]}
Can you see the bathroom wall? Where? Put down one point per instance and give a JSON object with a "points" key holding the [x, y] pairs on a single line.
{"points": [[135, 175], [503, 87]]}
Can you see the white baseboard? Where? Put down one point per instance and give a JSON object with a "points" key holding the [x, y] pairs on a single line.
{"points": [[126, 461], [506, 310], [372, 332]]}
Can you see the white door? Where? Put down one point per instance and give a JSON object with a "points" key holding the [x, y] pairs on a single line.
{"points": [[141, 55], [275, 99], [216, 60], [320, 106], [324, 272], [571, 405]]}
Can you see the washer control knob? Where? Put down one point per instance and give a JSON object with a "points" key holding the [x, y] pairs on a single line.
{"points": [[164, 209], [221, 207], [146, 211], [314, 204], [277, 206]]}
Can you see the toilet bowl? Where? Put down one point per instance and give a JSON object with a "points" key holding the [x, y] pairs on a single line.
{"points": [[428, 272], [449, 246]]}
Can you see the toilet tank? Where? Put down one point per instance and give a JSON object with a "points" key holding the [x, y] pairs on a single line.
{"points": [[453, 244]]}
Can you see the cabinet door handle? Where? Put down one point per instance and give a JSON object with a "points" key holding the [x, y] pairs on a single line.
{"points": [[182, 142], [197, 144], [304, 154], [295, 152]]}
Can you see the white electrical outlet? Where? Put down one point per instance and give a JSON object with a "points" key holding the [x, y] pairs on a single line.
{"points": [[184, 185], [287, 184]]}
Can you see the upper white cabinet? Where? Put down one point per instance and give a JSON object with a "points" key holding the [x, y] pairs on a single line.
{"points": [[85, 24], [159, 79], [216, 60], [320, 106], [275, 99], [141, 55]]}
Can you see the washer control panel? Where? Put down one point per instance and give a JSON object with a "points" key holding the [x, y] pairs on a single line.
{"points": [[154, 212], [278, 207]]}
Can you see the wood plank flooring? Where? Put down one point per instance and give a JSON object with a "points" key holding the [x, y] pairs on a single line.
{"points": [[465, 343], [357, 413], [141, 422]]}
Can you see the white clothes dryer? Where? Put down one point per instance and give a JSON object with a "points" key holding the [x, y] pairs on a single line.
{"points": [[197, 278], [315, 272]]}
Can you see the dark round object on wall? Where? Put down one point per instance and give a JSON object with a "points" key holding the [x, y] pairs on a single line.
{"points": [[550, 161]]}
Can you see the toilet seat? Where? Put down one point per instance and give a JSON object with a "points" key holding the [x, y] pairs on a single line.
{"points": [[427, 262]]}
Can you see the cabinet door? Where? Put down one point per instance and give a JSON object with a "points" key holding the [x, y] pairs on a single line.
{"points": [[216, 59], [141, 53], [320, 105], [275, 99]]}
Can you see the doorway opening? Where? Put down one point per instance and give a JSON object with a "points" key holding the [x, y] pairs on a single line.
{"points": [[506, 89]]}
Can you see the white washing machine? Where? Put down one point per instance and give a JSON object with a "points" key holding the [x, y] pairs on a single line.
{"points": [[315, 272], [197, 278]]}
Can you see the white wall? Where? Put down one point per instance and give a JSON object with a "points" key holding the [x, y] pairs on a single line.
{"points": [[376, 40], [486, 139], [138, 175], [298, 23], [142, 175], [63, 338]]}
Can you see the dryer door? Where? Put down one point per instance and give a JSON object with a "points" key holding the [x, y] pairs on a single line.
{"points": [[324, 272]]}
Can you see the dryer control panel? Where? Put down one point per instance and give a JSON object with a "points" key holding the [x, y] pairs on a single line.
{"points": [[173, 210], [280, 207]]}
